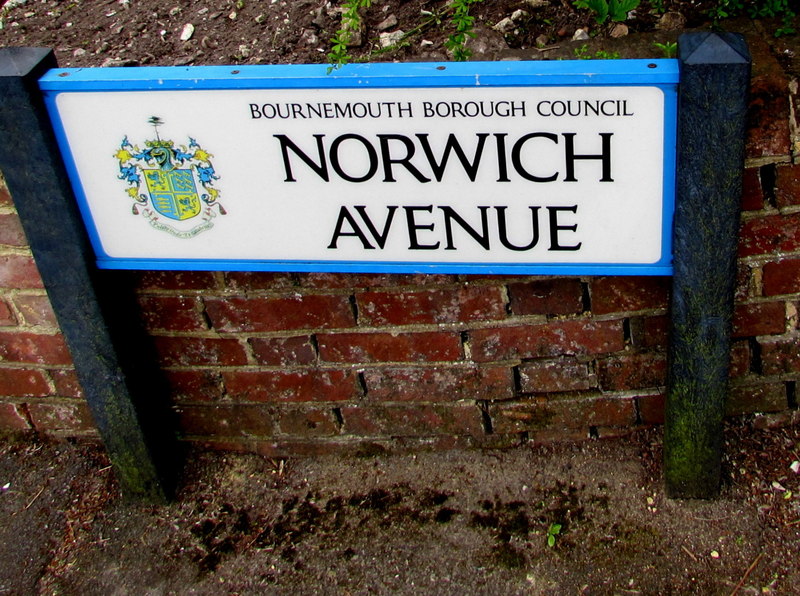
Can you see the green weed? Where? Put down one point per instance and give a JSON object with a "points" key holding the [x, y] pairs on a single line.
{"points": [[617, 10]]}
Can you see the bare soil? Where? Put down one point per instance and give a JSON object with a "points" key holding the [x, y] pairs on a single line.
{"points": [[426, 523], [148, 32]]}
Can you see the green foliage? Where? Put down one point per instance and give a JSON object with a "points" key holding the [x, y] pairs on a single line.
{"points": [[669, 48], [462, 24], [351, 21], [553, 531], [460, 20], [582, 53], [616, 9], [759, 9]]}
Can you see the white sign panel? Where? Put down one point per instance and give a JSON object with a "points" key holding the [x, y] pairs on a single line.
{"points": [[450, 178]]}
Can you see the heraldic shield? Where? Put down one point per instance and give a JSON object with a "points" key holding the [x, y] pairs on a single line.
{"points": [[174, 193], [172, 186]]}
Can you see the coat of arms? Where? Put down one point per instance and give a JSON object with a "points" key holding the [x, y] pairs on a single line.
{"points": [[171, 186]]}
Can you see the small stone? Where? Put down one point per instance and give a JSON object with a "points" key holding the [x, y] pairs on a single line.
{"points": [[537, 3], [619, 30], [387, 40], [309, 37], [387, 23], [505, 25], [580, 35], [233, 16], [519, 15], [244, 50], [563, 32], [795, 467], [542, 40], [426, 43], [111, 62], [175, 11], [188, 31], [79, 52], [671, 21], [261, 18]]}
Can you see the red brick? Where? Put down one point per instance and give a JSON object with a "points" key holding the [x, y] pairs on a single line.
{"points": [[307, 422], [370, 280], [199, 351], [649, 332], [556, 375], [541, 414], [249, 281], [768, 111], [195, 385], [447, 305], [226, 420], [175, 280], [34, 348], [439, 384], [412, 420], [18, 271], [749, 399], [752, 193], [745, 282], [17, 382], [557, 338], [546, 297], [172, 313], [5, 196], [387, 347], [651, 408], [779, 356], [740, 359], [66, 382], [13, 418], [36, 310], [632, 371], [787, 185], [61, 416], [769, 235], [7, 317], [11, 232], [765, 318], [283, 351], [291, 386], [623, 294], [237, 314], [781, 277]]}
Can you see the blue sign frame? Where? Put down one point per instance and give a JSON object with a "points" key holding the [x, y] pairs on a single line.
{"points": [[663, 74]]}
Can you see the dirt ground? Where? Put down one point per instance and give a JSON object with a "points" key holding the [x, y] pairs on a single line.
{"points": [[427, 523]]}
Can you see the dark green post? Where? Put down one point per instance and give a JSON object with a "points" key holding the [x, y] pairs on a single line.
{"points": [[31, 164], [715, 76]]}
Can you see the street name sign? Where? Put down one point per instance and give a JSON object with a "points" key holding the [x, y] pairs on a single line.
{"points": [[497, 167]]}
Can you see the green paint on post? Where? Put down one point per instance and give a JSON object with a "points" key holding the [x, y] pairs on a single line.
{"points": [[712, 102]]}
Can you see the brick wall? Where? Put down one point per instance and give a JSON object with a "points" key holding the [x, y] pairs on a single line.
{"points": [[293, 364], [38, 386]]}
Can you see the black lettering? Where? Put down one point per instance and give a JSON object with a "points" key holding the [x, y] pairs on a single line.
{"points": [[388, 160], [413, 226], [380, 238], [344, 216], [516, 154], [438, 168], [604, 157], [371, 153], [320, 168], [555, 228], [502, 229], [482, 239]]}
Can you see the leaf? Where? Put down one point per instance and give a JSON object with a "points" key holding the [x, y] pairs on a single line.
{"points": [[619, 9], [551, 540]]}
